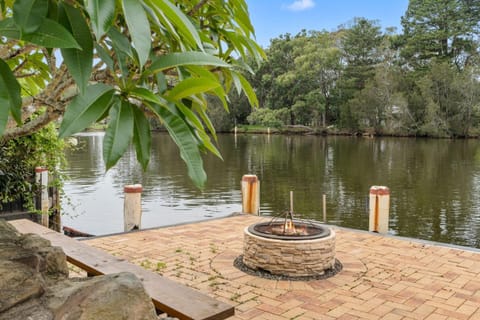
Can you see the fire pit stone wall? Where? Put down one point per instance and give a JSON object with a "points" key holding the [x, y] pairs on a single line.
{"points": [[297, 258]]}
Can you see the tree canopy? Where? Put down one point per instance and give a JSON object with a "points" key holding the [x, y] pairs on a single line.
{"points": [[362, 79], [124, 61]]}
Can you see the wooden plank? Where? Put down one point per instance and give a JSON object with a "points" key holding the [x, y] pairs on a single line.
{"points": [[173, 298]]}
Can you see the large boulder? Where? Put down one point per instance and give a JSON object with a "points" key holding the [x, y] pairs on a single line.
{"points": [[117, 296], [34, 285]]}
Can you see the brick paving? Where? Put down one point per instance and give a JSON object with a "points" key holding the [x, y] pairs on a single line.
{"points": [[382, 277]]}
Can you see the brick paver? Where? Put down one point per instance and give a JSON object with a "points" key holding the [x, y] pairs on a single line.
{"points": [[382, 277]]}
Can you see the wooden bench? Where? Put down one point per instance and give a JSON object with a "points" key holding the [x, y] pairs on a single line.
{"points": [[169, 297]]}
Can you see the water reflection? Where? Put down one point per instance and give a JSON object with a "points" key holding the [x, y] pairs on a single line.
{"points": [[435, 184]]}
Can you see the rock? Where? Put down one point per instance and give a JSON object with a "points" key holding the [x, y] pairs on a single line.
{"points": [[33, 241], [34, 285], [118, 296], [18, 283], [30, 310]]}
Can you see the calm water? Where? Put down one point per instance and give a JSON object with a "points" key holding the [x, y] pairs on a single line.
{"points": [[434, 184]]}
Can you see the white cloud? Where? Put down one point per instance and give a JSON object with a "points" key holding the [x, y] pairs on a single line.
{"points": [[300, 5]]}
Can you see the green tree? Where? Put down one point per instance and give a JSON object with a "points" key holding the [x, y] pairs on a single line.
{"points": [[445, 30], [361, 44], [318, 66], [452, 101], [126, 60]]}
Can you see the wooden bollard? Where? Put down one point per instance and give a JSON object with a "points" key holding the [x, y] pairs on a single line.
{"points": [[132, 207], [41, 178], [250, 194], [379, 205]]}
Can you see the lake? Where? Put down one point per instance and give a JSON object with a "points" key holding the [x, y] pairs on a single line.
{"points": [[434, 184]]}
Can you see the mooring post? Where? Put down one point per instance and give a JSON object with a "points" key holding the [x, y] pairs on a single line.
{"points": [[379, 209], [132, 207], [250, 194], [324, 202], [41, 178]]}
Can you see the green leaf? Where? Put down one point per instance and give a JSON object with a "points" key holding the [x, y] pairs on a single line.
{"points": [[172, 14], [8, 29], [123, 51], [102, 13], [147, 95], [142, 137], [51, 34], [192, 86], [79, 62], [86, 109], [247, 88], [119, 132], [103, 54], [161, 82], [186, 58], [139, 28], [10, 99], [187, 144], [29, 14]]}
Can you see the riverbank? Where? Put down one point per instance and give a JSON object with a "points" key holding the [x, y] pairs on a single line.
{"points": [[383, 277], [332, 131]]}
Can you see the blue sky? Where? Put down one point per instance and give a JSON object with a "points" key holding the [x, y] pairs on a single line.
{"points": [[272, 18]]}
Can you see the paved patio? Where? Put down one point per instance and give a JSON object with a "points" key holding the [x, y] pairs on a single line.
{"points": [[382, 277]]}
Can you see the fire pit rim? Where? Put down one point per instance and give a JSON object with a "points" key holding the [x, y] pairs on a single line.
{"points": [[324, 233]]}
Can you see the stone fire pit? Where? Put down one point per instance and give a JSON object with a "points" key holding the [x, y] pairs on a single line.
{"points": [[306, 250]]}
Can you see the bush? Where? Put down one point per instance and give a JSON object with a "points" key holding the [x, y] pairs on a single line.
{"points": [[18, 159], [267, 117]]}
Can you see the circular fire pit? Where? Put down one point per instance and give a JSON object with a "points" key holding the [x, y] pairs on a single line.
{"points": [[298, 250]]}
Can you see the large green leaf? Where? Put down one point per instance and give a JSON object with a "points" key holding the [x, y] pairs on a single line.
{"points": [[29, 14], [187, 144], [142, 137], [139, 28], [147, 95], [8, 29], [10, 99], [51, 34], [192, 86], [86, 109], [102, 13], [104, 55], [123, 52], [168, 11], [186, 58], [119, 132], [79, 62], [247, 88]]}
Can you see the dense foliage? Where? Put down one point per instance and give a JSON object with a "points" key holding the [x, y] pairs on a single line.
{"points": [[20, 156], [360, 79], [125, 61]]}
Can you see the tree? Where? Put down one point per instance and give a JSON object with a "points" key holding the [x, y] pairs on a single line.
{"points": [[318, 63], [361, 52], [124, 61], [444, 30]]}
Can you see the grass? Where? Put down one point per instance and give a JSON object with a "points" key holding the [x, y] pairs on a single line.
{"points": [[255, 129]]}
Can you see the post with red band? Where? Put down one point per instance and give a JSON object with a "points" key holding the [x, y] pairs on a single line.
{"points": [[379, 205], [250, 194], [41, 178], [132, 207]]}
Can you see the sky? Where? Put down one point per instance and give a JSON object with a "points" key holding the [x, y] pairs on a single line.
{"points": [[272, 18]]}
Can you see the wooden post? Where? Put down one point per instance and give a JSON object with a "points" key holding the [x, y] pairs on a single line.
{"points": [[41, 178], [379, 205], [250, 194], [132, 208], [324, 198]]}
